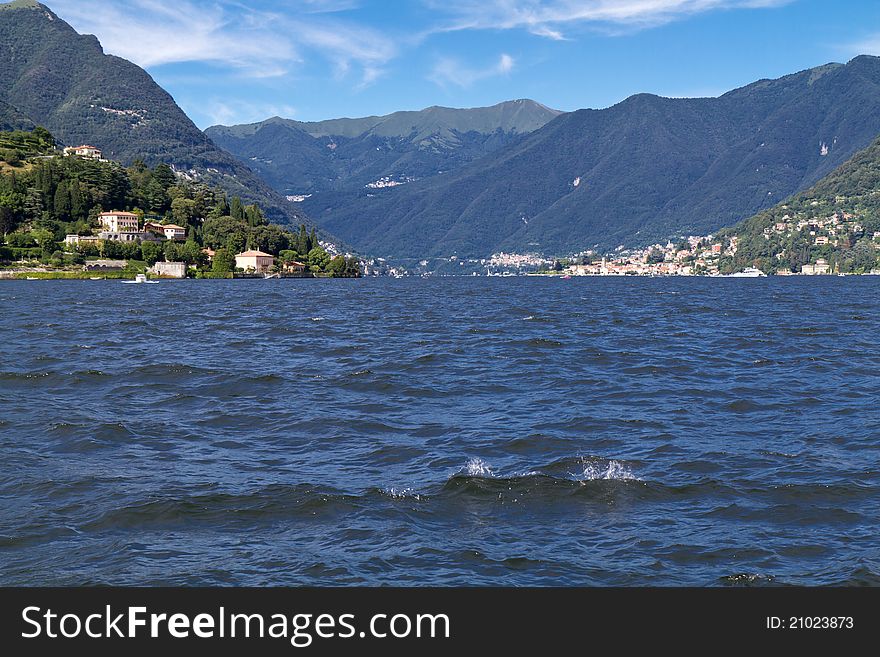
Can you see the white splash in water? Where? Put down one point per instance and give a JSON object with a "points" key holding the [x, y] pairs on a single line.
{"points": [[612, 470], [402, 493], [317, 319], [477, 467]]}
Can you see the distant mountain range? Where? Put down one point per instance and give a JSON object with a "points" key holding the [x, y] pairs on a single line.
{"points": [[348, 155], [52, 76], [517, 176], [645, 169]]}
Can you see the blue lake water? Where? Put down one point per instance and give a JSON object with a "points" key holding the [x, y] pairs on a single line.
{"points": [[443, 431]]}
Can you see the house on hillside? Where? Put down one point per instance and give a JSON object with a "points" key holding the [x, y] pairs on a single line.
{"points": [[85, 150], [255, 261], [294, 267], [119, 222], [168, 231]]}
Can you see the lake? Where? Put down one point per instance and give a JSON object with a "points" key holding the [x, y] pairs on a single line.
{"points": [[458, 431]]}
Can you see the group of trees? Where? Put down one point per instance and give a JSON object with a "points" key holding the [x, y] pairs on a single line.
{"points": [[46, 198]]}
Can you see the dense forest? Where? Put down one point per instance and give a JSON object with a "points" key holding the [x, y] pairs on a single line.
{"points": [[45, 196]]}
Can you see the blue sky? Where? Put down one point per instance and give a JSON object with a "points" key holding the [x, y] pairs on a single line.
{"points": [[229, 61]]}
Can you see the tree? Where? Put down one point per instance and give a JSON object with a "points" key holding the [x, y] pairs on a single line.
{"points": [[45, 240], [319, 259], [191, 253], [237, 209], [173, 251], [7, 219], [62, 202], [337, 266], [302, 243], [183, 210], [224, 262], [151, 252], [218, 231], [254, 216], [271, 239], [164, 175]]}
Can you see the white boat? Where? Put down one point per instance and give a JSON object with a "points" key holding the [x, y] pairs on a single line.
{"points": [[748, 272], [141, 278]]}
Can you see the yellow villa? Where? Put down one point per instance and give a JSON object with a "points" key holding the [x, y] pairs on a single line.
{"points": [[255, 261]]}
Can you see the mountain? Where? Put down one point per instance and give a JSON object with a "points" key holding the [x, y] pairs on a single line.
{"points": [[645, 169], [835, 220], [63, 80], [341, 155], [13, 119]]}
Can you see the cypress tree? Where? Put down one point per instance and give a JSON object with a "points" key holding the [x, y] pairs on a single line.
{"points": [[302, 243], [62, 202]]}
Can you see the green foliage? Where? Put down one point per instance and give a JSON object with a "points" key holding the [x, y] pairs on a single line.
{"points": [[224, 262], [318, 259], [851, 193], [64, 195]]}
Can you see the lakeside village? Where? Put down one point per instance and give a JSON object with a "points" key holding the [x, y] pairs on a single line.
{"points": [[837, 244], [72, 214]]}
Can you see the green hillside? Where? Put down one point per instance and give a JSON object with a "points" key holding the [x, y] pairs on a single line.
{"points": [[836, 220], [64, 81]]}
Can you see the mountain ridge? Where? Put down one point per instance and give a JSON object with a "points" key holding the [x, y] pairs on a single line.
{"points": [[348, 154], [64, 81], [644, 169]]}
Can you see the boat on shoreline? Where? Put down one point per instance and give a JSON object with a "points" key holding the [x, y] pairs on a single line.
{"points": [[748, 272]]}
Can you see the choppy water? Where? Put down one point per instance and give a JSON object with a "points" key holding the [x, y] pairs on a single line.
{"points": [[452, 432]]}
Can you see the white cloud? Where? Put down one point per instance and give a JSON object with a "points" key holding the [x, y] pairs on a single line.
{"points": [[868, 46], [257, 41], [452, 71], [232, 112], [547, 18]]}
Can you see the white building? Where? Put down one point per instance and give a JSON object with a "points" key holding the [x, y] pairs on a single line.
{"points": [[119, 222], [174, 232], [169, 269], [85, 151]]}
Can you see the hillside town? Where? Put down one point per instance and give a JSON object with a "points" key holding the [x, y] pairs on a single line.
{"points": [[71, 213]]}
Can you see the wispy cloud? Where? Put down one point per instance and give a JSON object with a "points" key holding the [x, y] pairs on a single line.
{"points": [[252, 38], [233, 111], [548, 18], [452, 71], [866, 46]]}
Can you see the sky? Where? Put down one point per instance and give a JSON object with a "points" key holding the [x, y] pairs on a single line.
{"points": [[229, 61]]}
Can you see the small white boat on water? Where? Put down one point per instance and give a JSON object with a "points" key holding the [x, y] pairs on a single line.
{"points": [[141, 278], [748, 272]]}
